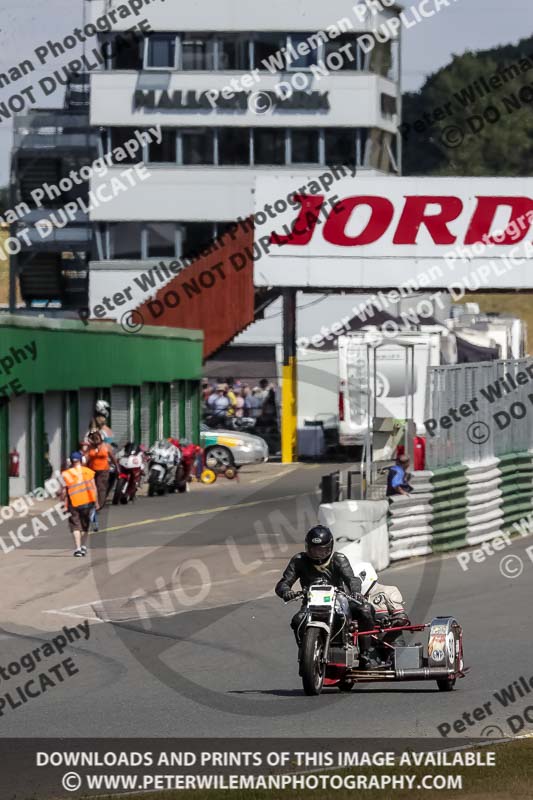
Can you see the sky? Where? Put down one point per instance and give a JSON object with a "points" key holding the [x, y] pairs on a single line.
{"points": [[464, 25]]}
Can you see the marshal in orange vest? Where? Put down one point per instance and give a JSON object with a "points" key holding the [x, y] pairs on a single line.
{"points": [[79, 482]]}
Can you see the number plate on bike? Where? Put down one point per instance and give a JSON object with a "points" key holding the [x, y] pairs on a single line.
{"points": [[321, 597]]}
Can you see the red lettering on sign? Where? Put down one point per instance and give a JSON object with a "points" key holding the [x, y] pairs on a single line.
{"points": [[483, 218], [380, 219], [305, 224], [414, 216]]}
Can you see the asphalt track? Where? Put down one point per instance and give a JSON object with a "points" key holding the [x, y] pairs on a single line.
{"points": [[187, 638]]}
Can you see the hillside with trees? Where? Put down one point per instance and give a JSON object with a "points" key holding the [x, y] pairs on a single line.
{"points": [[478, 87], [481, 104]]}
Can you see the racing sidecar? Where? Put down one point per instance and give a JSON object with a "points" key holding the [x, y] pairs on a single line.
{"points": [[440, 659]]}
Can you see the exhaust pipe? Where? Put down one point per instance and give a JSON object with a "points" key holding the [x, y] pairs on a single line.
{"points": [[422, 673]]}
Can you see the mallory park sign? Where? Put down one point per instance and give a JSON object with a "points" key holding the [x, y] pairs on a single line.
{"points": [[213, 100]]}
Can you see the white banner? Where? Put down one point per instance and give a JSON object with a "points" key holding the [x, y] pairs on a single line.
{"points": [[373, 232]]}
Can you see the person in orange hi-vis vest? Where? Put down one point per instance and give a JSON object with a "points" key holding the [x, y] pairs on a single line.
{"points": [[79, 492]]}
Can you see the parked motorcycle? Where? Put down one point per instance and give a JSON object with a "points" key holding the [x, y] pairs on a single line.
{"points": [[190, 453], [166, 471], [130, 472]]}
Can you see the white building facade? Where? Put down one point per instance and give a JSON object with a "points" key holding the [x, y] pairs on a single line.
{"points": [[238, 88]]}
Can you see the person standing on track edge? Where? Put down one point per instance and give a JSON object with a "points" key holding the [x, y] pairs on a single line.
{"points": [[317, 563], [79, 492]]}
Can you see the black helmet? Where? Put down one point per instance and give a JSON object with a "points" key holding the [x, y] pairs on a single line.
{"points": [[319, 544]]}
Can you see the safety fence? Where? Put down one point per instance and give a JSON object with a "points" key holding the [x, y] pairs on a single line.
{"points": [[461, 506], [477, 411]]}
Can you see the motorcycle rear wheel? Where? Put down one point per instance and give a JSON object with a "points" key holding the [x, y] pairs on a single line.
{"points": [[312, 667]]}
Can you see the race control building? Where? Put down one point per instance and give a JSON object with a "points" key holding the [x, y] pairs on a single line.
{"points": [[239, 89]]}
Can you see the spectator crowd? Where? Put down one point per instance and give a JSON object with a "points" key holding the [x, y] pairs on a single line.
{"points": [[234, 403]]}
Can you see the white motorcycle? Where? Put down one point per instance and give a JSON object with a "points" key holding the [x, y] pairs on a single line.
{"points": [[165, 471]]}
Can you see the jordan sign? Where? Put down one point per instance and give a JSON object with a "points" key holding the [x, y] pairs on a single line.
{"points": [[379, 232]]}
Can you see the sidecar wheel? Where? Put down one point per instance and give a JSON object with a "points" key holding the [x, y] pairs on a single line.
{"points": [[446, 684], [345, 685]]}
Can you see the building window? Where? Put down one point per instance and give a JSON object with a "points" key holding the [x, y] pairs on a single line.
{"points": [[307, 59], [269, 146], [305, 146], [122, 52], [197, 146], [363, 147], [118, 137], [125, 240], [163, 152], [197, 52], [381, 58], [195, 237], [161, 51], [233, 52], [266, 46], [161, 240], [234, 147], [339, 146], [351, 58]]}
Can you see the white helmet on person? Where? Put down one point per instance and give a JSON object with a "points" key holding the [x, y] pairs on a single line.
{"points": [[102, 408], [367, 574]]}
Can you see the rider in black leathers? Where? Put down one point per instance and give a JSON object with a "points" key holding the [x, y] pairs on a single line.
{"points": [[319, 563]]}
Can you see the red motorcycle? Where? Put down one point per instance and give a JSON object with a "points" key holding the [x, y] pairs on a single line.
{"points": [[189, 455], [130, 471]]}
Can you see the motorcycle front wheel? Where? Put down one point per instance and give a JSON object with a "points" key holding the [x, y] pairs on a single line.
{"points": [[117, 495], [312, 667]]}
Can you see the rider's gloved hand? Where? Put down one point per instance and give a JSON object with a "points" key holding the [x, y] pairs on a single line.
{"points": [[358, 597], [289, 596]]}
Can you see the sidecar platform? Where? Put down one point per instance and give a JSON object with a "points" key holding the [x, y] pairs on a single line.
{"points": [[440, 660]]}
